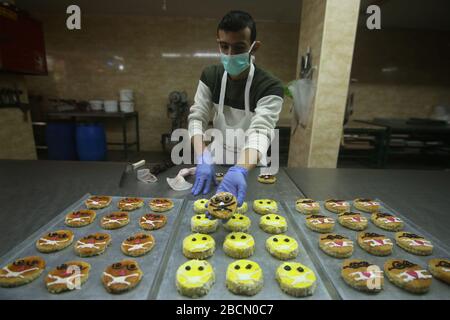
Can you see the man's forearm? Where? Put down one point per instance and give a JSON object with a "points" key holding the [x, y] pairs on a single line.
{"points": [[248, 159], [198, 143]]}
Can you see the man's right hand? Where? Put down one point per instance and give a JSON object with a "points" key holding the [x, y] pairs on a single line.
{"points": [[204, 174]]}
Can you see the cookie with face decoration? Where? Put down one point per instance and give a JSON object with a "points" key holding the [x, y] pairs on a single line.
{"points": [[242, 209], [238, 222], [336, 245], [440, 268], [386, 221], [374, 243], [239, 245], [97, 202], [319, 223], [202, 224], [353, 221], [219, 176], [67, 276], [267, 178], [198, 246], [92, 245], [366, 205], [414, 243], [115, 220], [195, 278], [151, 221], [122, 276], [307, 206], [265, 206], [337, 206], [161, 204], [138, 244], [200, 206], [273, 223], [407, 275], [21, 271], [296, 279], [130, 204], [80, 218], [222, 205], [244, 277], [54, 241], [362, 275], [282, 247]]}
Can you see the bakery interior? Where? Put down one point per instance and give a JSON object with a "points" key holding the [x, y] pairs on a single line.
{"points": [[84, 111]]}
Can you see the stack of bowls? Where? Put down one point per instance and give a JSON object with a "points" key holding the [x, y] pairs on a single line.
{"points": [[126, 100]]}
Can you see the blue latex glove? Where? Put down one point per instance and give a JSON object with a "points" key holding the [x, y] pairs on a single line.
{"points": [[235, 182], [204, 174]]}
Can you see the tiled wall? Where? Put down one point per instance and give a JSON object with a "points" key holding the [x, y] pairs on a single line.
{"points": [[152, 56]]}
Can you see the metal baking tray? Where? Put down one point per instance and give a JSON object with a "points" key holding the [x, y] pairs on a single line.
{"points": [[93, 288], [332, 266], [220, 261]]}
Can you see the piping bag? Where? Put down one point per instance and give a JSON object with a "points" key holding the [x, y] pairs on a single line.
{"points": [[179, 183]]}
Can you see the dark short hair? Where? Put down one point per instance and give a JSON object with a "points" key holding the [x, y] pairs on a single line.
{"points": [[236, 20]]}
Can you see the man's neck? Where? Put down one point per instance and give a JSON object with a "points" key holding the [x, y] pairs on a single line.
{"points": [[242, 75]]}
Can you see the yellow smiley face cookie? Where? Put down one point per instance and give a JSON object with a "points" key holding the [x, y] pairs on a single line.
{"points": [[239, 245], [265, 206], [195, 278], [282, 247], [273, 223], [198, 246], [244, 277], [242, 209], [200, 206], [202, 224], [296, 279], [238, 222]]}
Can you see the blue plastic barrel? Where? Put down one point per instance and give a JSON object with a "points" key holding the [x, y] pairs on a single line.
{"points": [[91, 142], [60, 138]]}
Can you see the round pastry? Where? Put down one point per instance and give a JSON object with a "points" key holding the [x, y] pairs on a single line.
{"points": [[198, 246], [375, 243], [282, 247], [307, 206], [97, 202], [353, 221], [54, 241], [267, 178], [92, 245], [80, 218], [21, 271], [386, 221], [138, 244], [239, 245], [366, 205], [440, 268], [219, 176], [130, 204], [242, 209], [238, 222], [319, 223], [195, 278], [273, 223], [407, 275], [413, 243], [115, 220], [200, 206], [67, 276], [337, 206], [202, 224], [222, 205], [122, 276], [151, 221], [336, 245], [161, 204], [296, 279], [265, 206], [362, 275], [244, 277]]}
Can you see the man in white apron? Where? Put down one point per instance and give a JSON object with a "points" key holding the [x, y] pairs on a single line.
{"points": [[234, 95]]}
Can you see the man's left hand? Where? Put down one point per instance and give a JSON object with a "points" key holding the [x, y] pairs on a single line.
{"points": [[235, 182]]}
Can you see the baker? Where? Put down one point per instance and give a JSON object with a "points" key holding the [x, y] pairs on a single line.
{"points": [[235, 94]]}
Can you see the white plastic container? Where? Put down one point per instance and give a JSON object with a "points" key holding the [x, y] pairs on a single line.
{"points": [[126, 106], [96, 105], [111, 106], [126, 95]]}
